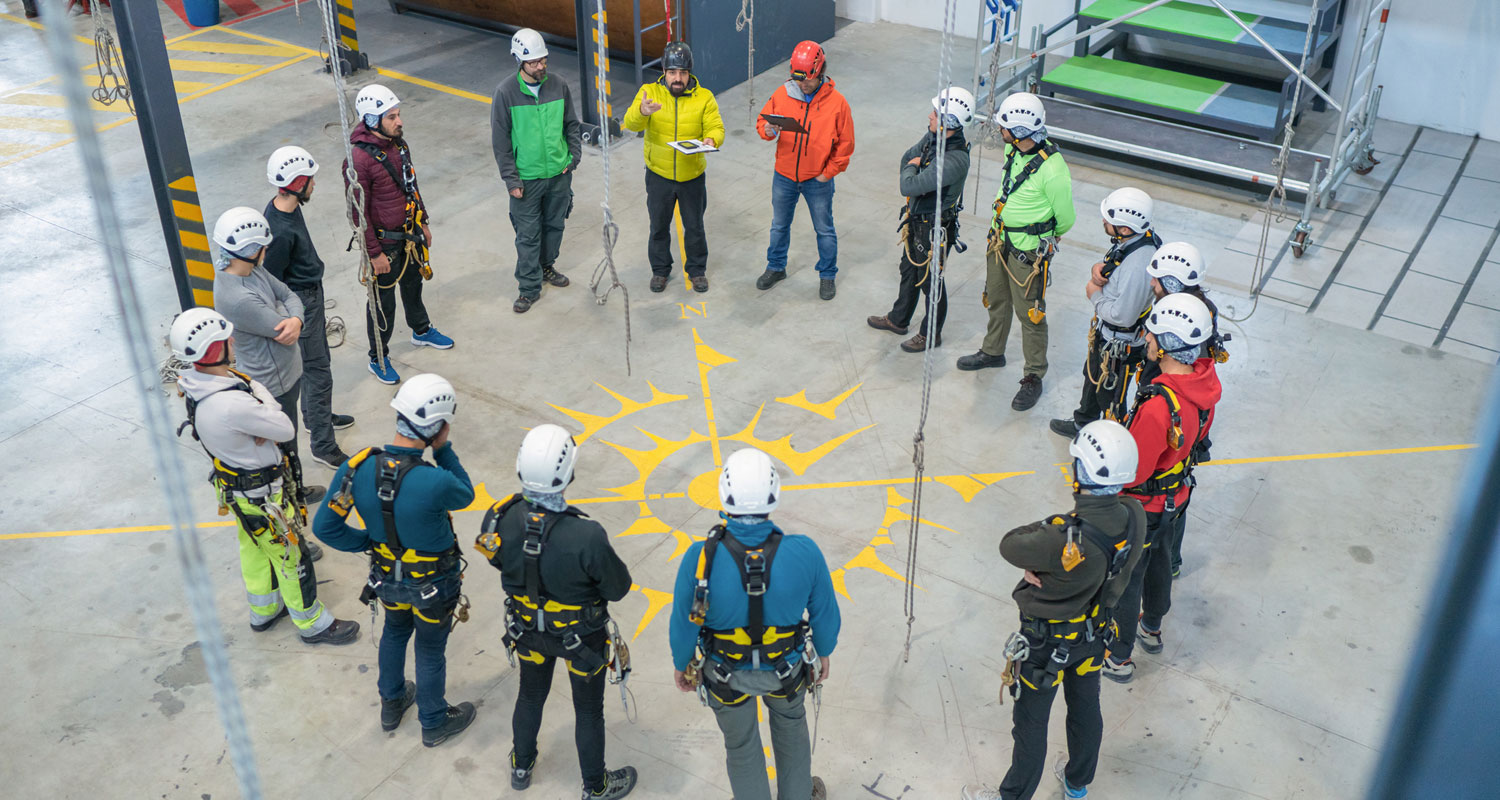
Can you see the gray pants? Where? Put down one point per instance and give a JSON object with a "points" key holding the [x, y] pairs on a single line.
{"points": [[537, 217], [317, 374], [745, 756]]}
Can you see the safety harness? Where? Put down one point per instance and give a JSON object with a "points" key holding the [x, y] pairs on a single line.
{"points": [[913, 225], [1035, 284], [756, 643], [416, 212], [1167, 482], [999, 235]]}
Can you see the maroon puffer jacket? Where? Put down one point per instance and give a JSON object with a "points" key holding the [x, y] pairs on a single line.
{"points": [[385, 203]]}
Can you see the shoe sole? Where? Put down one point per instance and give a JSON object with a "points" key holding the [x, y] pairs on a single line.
{"points": [[325, 462], [1014, 406], [897, 331], [1117, 678], [978, 367], [772, 283], [344, 427], [419, 343], [335, 642], [659, 290]]}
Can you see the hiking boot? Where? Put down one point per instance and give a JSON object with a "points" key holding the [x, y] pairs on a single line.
{"points": [[314, 551], [826, 289], [262, 627], [522, 304], [820, 792], [520, 777], [1060, 769], [918, 343], [391, 711], [342, 631], [333, 459], [700, 283], [974, 791], [313, 494], [883, 323], [1150, 640], [1066, 428], [342, 421], [458, 717], [1028, 394], [555, 278], [1118, 671], [617, 783], [384, 372], [769, 278], [433, 338], [658, 283], [980, 360]]}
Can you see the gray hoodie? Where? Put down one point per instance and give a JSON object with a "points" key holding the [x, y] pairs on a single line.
{"points": [[229, 421], [256, 304], [1126, 297]]}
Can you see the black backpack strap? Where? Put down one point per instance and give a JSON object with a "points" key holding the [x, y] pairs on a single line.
{"points": [[390, 472]]}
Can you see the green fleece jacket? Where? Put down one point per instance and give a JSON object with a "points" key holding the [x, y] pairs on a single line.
{"points": [[1065, 594], [534, 136]]}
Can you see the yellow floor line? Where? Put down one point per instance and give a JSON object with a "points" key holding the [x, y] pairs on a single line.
{"points": [[44, 124], [98, 531], [235, 48], [39, 26], [217, 67], [55, 101], [243, 78]]}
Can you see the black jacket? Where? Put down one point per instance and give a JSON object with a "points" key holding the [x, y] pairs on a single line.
{"points": [[1065, 594], [291, 256], [920, 182], [578, 565]]}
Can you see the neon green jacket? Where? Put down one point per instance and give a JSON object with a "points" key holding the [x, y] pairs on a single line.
{"points": [[693, 115]]}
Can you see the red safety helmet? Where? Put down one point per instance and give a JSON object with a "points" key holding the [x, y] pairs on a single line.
{"points": [[807, 60]]}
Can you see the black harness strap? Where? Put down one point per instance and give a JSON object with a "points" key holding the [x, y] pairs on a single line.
{"points": [[1008, 186], [539, 524], [406, 183], [1119, 252], [390, 472], [755, 575]]}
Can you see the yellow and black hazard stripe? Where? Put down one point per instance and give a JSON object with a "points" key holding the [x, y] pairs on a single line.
{"points": [[193, 236]]}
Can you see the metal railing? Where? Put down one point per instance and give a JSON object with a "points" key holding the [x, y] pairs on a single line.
{"points": [[641, 65], [999, 24]]}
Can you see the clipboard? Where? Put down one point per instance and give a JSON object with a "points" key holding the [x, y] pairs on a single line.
{"points": [[692, 146], [786, 124]]}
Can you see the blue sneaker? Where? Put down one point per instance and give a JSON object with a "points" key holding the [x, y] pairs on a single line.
{"points": [[433, 338], [1060, 768], [386, 374]]}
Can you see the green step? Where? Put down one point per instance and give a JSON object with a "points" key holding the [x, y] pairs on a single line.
{"points": [[1186, 19], [1136, 82]]}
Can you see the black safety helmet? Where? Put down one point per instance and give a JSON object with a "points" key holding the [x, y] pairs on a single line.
{"points": [[677, 55]]}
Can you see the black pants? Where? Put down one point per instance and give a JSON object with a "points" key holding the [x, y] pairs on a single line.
{"points": [[588, 705], [1179, 526], [689, 197], [909, 291], [410, 284], [288, 403], [1085, 725], [1109, 403], [1150, 587], [317, 373]]}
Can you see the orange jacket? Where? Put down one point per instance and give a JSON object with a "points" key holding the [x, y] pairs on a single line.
{"points": [[829, 142]]}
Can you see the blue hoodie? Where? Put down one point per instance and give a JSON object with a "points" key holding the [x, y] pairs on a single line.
{"points": [[799, 582]]}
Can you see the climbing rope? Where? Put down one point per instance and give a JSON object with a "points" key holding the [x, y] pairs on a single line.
{"points": [[988, 130], [107, 61], [918, 441], [165, 456], [746, 22], [610, 232], [354, 194], [334, 326]]}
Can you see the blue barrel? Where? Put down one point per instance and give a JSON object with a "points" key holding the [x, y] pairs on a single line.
{"points": [[201, 13]]}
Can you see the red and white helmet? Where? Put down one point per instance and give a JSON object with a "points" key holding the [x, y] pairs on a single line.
{"points": [[808, 60], [288, 164], [195, 331]]}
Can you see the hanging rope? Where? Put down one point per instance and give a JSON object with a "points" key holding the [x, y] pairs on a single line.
{"points": [[112, 85], [988, 130], [918, 440], [610, 231], [746, 22], [354, 194]]}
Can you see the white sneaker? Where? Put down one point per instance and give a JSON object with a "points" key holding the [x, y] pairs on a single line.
{"points": [[1118, 671], [974, 791], [1150, 641]]}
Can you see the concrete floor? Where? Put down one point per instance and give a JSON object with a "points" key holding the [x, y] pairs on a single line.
{"points": [[1304, 578]]}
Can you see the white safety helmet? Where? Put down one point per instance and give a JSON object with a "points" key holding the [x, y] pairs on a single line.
{"points": [[241, 228], [955, 107], [1180, 260], [1106, 453], [1182, 315], [1021, 110], [749, 483], [288, 164], [527, 45], [373, 102], [194, 330], [545, 461], [426, 400], [1128, 207]]}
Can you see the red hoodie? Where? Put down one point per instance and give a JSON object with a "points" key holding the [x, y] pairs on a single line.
{"points": [[385, 202], [1199, 391]]}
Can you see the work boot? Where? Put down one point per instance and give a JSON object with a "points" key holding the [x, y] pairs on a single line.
{"points": [[333, 459], [342, 631], [520, 777], [617, 783], [769, 278], [700, 283], [1150, 640], [1066, 428], [1118, 671], [342, 421], [313, 494], [980, 360], [458, 717], [918, 343], [820, 792], [522, 304], [314, 551], [1060, 769], [883, 323], [552, 276], [658, 283], [262, 627], [826, 289], [391, 711], [1028, 394]]}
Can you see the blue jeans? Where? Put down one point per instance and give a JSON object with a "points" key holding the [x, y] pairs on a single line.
{"points": [[819, 196], [431, 623]]}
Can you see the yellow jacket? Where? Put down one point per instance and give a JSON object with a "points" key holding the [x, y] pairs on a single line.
{"points": [[693, 115]]}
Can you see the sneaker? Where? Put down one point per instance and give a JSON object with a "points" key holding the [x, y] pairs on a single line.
{"points": [[333, 459], [700, 283], [883, 323], [658, 283], [617, 783], [342, 631], [522, 304], [386, 374], [552, 276], [433, 338], [918, 343], [342, 421], [769, 278], [1060, 769], [1150, 640], [262, 627], [458, 717], [313, 494], [826, 289], [980, 360], [819, 792], [1118, 671], [314, 550], [1064, 427], [974, 791], [391, 711], [1176, 570], [1028, 394], [520, 777]]}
